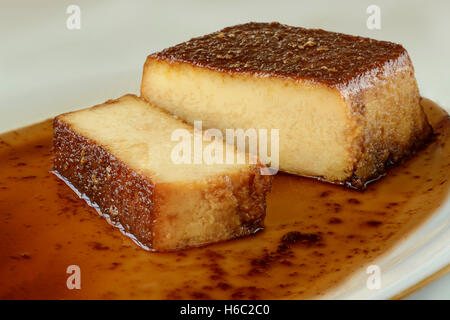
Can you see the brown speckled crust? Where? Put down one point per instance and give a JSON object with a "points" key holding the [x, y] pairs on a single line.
{"points": [[383, 141], [135, 204], [123, 196], [274, 49]]}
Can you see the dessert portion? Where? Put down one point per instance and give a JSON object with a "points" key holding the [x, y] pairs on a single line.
{"points": [[346, 106], [118, 156]]}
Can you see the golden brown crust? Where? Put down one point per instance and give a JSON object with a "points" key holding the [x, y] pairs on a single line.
{"points": [[391, 133], [122, 196], [274, 49]]}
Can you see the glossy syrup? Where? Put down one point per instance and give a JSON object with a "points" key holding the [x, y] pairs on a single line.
{"points": [[316, 234]]}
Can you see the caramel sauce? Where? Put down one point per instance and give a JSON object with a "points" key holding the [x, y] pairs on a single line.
{"points": [[316, 234], [278, 50]]}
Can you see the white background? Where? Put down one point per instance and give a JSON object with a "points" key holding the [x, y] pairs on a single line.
{"points": [[46, 69]]}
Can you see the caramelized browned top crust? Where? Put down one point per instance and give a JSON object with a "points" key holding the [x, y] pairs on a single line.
{"points": [[275, 49]]}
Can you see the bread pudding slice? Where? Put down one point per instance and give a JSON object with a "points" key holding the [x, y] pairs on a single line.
{"points": [[118, 156], [346, 106]]}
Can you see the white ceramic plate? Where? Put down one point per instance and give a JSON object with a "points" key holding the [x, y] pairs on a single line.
{"points": [[422, 254], [48, 69]]}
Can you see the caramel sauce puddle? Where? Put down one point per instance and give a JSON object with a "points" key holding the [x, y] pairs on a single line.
{"points": [[316, 234]]}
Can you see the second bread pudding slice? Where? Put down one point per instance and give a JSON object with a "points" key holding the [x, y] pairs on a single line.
{"points": [[346, 106], [118, 156]]}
